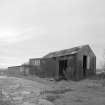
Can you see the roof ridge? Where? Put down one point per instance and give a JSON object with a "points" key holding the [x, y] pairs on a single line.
{"points": [[72, 50]]}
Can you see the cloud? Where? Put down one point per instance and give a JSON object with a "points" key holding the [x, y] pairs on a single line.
{"points": [[12, 36], [6, 61], [31, 27]]}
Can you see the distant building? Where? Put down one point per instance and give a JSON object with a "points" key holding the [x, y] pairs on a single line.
{"points": [[75, 64], [3, 71], [14, 70], [19, 70]]}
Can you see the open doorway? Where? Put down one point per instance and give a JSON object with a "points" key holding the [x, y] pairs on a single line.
{"points": [[84, 65], [62, 68]]}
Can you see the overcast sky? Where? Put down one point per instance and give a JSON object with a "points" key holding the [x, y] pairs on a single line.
{"points": [[32, 28]]}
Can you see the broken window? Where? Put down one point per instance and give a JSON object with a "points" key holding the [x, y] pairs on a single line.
{"points": [[35, 62]]}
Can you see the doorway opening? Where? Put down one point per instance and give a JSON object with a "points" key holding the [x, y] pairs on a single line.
{"points": [[84, 65], [62, 69]]}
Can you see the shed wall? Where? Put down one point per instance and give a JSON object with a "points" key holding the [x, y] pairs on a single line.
{"points": [[92, 66], [14, 70], [71, 66], [47, 68]]}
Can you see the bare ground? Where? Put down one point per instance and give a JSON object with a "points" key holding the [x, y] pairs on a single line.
{"points": [[20, 91]]}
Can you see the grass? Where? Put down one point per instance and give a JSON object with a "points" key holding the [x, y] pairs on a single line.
{"points": [[5, 102], [99, 76]]}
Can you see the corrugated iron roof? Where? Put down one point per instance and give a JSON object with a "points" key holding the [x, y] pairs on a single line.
{"points": [[64, 52]]}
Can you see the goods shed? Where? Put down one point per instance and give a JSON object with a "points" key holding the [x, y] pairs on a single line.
{"points": [[74, 63]]}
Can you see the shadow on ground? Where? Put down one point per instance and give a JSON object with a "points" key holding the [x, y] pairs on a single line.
{"points": [[5, 102], [52, 95], [62, 91]]}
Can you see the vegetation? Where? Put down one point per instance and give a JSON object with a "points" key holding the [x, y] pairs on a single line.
{"points": [[4, 100]]}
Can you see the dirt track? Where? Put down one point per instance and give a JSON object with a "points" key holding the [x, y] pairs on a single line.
{"points": [[27, 92]]}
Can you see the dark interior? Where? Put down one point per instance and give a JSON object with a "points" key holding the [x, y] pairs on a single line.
{"points": [[62, 67], [84, 65]]}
